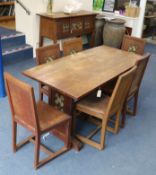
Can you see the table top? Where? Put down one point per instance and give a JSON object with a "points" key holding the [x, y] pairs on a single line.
{"points": [[77, 75], [58, 15]]}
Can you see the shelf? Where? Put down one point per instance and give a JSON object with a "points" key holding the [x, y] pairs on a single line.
{"points": [[6, 3], [115, 15], [7, 18], [7, 11]]}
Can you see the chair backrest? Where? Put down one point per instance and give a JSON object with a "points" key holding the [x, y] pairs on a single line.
{"points": [[133, 44], [22, 102], [141, 67], [120, 91], [47, 53], [72, 46]]}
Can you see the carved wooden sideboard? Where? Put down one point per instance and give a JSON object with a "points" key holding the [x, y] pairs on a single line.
{"points": [[59, 25]]}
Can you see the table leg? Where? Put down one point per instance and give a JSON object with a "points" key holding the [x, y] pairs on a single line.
{"points": [[92, 39], [66, 105], [41, 41]]}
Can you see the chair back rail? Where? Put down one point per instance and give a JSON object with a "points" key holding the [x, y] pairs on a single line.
{"points": [[47, 53], [72, 46], [133, 44]]}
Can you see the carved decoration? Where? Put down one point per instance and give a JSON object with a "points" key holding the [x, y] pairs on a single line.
{"points": [[87, 25], [76, 26], [133, 48], [73, 51], [66, 28], [59, 101], [49, 59]]}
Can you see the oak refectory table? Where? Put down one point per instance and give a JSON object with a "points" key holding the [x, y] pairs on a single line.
{"points": [[73, 77]]}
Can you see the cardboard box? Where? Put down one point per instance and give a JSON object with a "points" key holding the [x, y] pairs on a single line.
{"points": [[132, 11]]}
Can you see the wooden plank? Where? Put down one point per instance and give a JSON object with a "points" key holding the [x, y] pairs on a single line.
{"points": [[7, 18], [10, 24], [6, 3]]}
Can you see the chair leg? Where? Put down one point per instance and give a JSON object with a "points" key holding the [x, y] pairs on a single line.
{"points": [[50, 96], [14, 135], [67, 135], [123, 120], [40, 96], [88, 140], [49, 100], [135, 104], [73, 126], [117, 121], [133, 112], [103, 134], [37, 151], [40, 92]]}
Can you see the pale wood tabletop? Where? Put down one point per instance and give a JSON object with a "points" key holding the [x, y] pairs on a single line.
{"points": [[77, 75]]}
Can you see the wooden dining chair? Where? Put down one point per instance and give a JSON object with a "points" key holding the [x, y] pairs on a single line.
{"points": [[72, 46], [134, 90], [46, 54], [130, 44], [38, 118], [104, 108], [133, 44]]}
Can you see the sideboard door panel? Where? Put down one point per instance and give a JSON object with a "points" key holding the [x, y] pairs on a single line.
{"points": [[49, 28], [63, 28], [76, 26], [89, 24]]}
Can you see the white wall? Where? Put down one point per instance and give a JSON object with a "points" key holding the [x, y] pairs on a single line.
{"points": [[30, 24], [138, 25], [58, 5]]}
